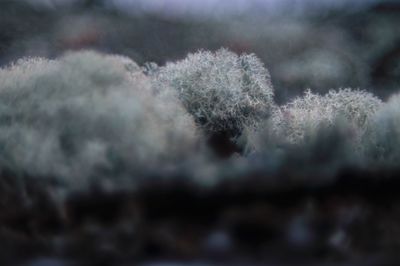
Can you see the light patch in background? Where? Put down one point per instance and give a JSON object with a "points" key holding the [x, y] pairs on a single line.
{"points": [[218, 8], [52, 3]]}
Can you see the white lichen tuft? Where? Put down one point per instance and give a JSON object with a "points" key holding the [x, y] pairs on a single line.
{"points": [[88, 115], [306, 114], [223, 91], [315, 135], [382, 139]]}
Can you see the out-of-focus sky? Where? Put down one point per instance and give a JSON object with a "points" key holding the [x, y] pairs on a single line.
{"points": [[206, 8]]}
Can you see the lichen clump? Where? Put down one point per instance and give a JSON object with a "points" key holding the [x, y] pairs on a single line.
{"points": [[223, 91], [308, 113], [88, 115]]}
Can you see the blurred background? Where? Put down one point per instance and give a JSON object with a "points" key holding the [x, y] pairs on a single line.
{"points": [[316, 44]]}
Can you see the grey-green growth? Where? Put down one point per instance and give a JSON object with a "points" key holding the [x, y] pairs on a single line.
{"points": [[306, 114], [88, 115], [223, 91], [382, 139]]}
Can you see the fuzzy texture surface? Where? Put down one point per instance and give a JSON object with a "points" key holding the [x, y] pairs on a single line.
{"points": [[88, 115], [306, 114], [223, 91], [382, 138], [314, 135]]}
